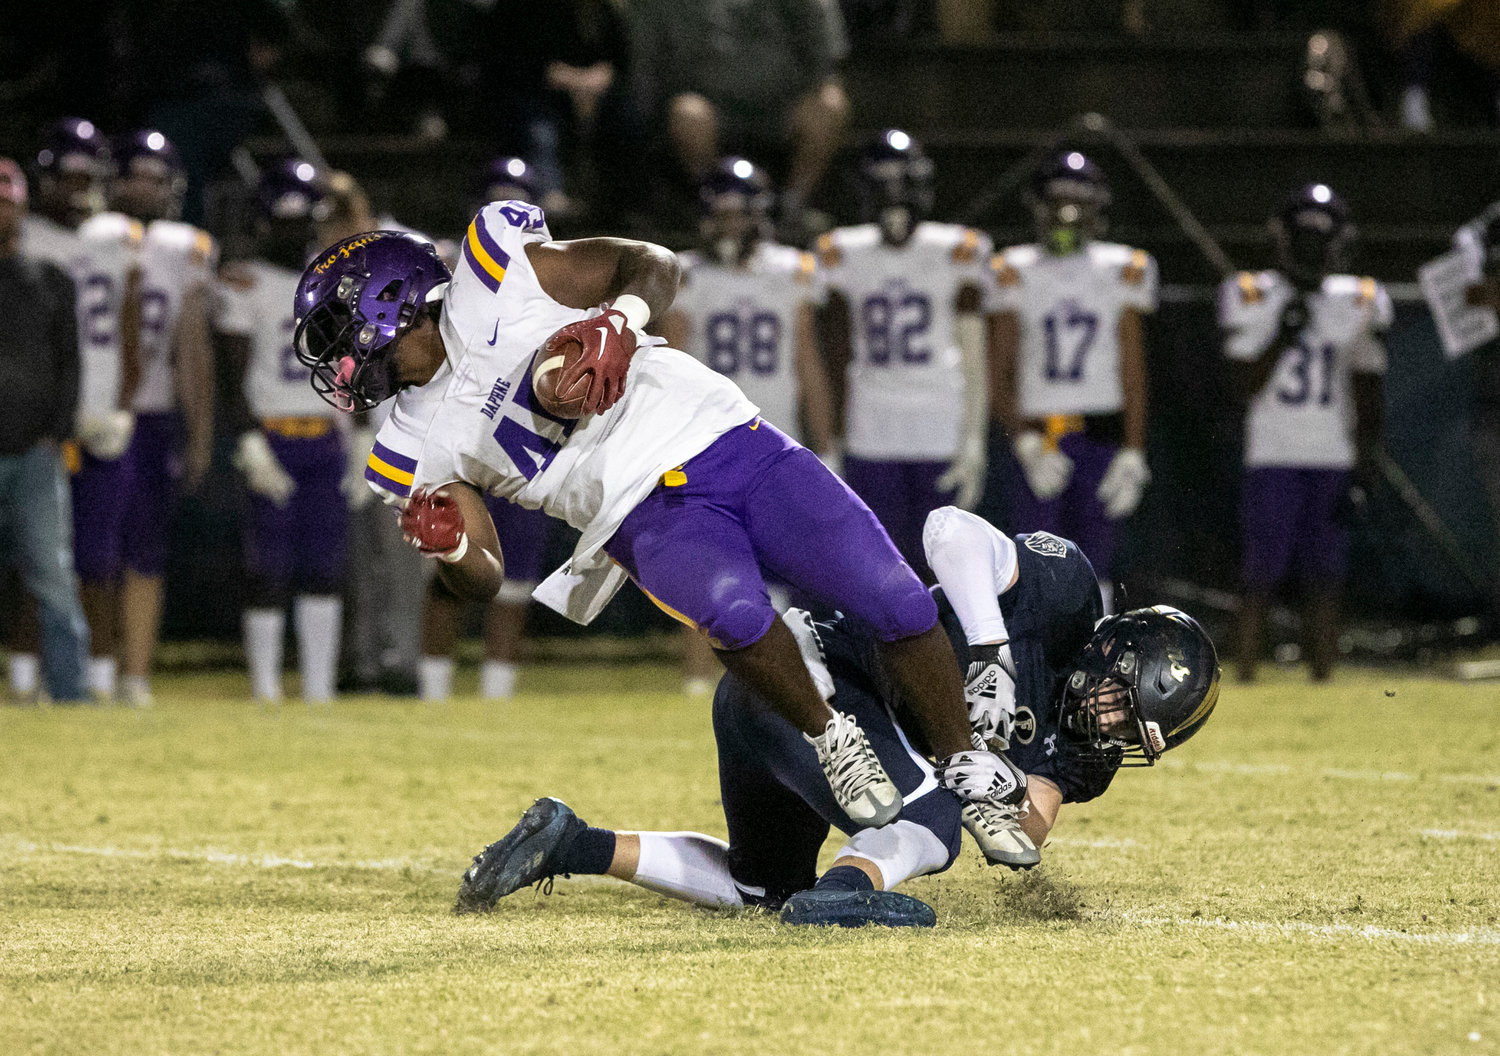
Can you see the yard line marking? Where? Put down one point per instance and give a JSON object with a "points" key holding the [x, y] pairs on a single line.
{"points": [[1477, 937], [1338, 773], [259, 861], [1101, 843], [1456, 834]]}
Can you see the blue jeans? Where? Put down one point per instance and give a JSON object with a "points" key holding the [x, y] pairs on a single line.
{"points": [[36, 533]]}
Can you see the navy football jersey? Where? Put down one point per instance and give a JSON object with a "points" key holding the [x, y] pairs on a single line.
{"points": [[1050, 614]]}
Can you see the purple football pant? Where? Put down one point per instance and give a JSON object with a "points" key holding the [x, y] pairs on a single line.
{"points": [[155, 469], [901, 495], [758, 502], [1077, 513], [101, 491], [302, 545], [1290, 521], [523, 540]]}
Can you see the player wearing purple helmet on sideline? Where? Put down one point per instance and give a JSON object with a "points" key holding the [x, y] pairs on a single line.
{"points": [[1306, 358], [173, 404], [1071, 364], [72, 165], [670, 475], [290, 445], [910, 311]]}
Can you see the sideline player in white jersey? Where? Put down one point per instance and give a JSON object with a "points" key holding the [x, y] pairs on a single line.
{"points": [[1071, 365], [1305, 357], [664, 467], [72, 165], [176, 388], [746, 310], [289, 448], [913, 336]]}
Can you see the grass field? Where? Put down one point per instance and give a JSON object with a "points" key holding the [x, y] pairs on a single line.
{"points": [[1315, 873]]}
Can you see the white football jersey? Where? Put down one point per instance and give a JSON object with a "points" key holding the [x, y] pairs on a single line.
{"points": [[488, 430], [99, 258], [256, 301], [175, 258], [906, 379], [1069, 308], [742, 322], [1305, 414]]}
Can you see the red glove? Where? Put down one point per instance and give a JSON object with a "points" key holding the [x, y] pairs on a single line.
{"points": [[608, 343], [432, 522]]}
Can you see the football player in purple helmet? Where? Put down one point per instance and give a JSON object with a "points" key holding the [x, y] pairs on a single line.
{"points": [[72, 166], [149, 181]]}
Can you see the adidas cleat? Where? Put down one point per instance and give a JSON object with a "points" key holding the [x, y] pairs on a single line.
{"points": [[861, 787], [855, 909], [527, 855], [998, 832]]}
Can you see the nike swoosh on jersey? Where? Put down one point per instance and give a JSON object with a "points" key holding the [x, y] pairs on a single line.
{"points": [[496, 335]]}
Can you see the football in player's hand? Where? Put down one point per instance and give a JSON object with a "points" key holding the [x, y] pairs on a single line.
{"points": [[558, 354]]}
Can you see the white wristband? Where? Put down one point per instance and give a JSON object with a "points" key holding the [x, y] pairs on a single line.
{"points": [[637, 312], [456, 555]]}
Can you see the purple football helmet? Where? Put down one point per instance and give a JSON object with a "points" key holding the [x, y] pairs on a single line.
{"points": [[509, 178], [1068, 196], [354, 300], [734, 202], [1314, 234], [150, 180], [291, 189], [895, 184], [74, 145]]}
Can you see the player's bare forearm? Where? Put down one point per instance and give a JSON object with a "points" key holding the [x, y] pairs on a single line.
{"points": [[130, 339], [1005, 351], [193, 341], [477, 575], [1133, 377], [1043, 801], [812, 380], [587, 272]]}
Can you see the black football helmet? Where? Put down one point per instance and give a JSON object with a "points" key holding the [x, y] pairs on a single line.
{"points": [[895, 185], [734, 208], [1147, 681], [1314, 234], [1068, 197]]}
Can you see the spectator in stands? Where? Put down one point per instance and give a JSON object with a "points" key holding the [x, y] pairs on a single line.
{"points": [[743, 77], [1421, 32], [38, 396]]}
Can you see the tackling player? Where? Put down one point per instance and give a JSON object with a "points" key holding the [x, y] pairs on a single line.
{"points": [[669, 472], [175, 394], [1305, 358], [746, 310], [72, 166], [1070, 384], [1076, 696], [911, 330], [289, 449]]}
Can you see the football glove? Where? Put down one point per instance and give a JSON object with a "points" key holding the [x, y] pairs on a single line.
{"points": [[965, 474], [608, 343], [432, 522], [979, 777], [264, 475], [990, 693], [1124, 481], [106, 436], [1047, 472]]}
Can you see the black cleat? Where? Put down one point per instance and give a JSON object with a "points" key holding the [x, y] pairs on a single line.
{"points": [[855, 909], [528, 854]]}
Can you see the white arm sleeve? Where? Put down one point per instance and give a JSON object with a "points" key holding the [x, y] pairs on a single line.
{"points": [[974, 563]]}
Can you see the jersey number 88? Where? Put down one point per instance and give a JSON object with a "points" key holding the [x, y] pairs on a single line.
{"points": [[736, 341]]}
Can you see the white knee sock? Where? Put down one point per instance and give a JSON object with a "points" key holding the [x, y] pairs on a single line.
{"points": [[318, 619], [497, 680], [102, 676], [687, 865], [25, 673], [435, 678], [264, 629], [900, 851]]}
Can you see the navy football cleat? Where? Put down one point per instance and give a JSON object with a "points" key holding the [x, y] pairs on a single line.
{"points": [[855, 909], [528, 854]]}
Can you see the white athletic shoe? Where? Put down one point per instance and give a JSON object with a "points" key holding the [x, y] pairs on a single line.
{"points": [[135, 692], [998, 832], [861, 787]]}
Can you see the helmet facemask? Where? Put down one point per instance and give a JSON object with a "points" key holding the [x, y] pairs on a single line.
{"points": [[1101, 707], [352, 360]]}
